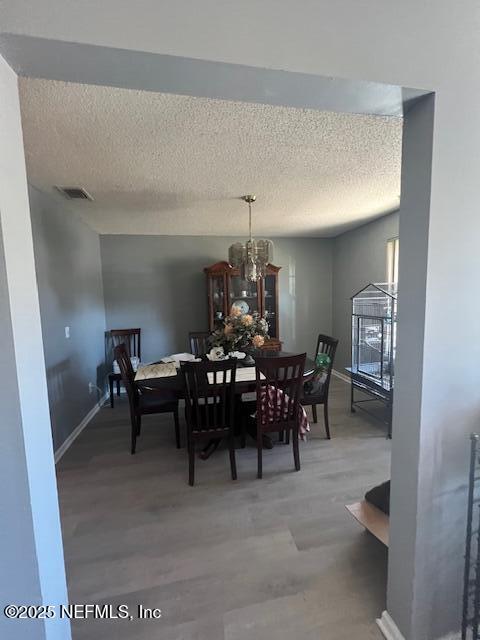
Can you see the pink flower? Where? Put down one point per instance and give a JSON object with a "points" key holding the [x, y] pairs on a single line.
{"points": [[258, 341], [247, 320], [228, 329], [235, 311]]}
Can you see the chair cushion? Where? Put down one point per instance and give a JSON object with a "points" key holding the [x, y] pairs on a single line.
{"points": [[316, 386], [313, 398], [153, 401]]}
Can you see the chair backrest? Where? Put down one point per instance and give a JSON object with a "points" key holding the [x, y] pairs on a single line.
{"points": [[199, 345], [209, 394], [328, 345], [130, 338], [122, 357], [280, 391]]}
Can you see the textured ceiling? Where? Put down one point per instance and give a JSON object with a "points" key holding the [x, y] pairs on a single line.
{"points": [[167, 164]]}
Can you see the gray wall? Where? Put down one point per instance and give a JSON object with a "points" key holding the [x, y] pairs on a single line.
{"points": [[157, 283], [359, 257], [69, 277]]}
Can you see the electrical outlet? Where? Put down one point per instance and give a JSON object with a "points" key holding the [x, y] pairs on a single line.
{"points": [[91, 387], [67, 332]]}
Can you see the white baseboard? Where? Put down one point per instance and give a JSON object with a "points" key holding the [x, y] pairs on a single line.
{"points": [[66, 444], [342, 376], [388, 627], [391, 631]]}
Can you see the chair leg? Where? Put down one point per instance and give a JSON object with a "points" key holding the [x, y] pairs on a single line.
{"points": [[281, 436], [134, 436], [233, 463], [177, 427], [325, 416], [118, 388], [191, 462], [110, 384], [314, 413], [139, 425], [296, 452], [259, 453], [287, 439]]}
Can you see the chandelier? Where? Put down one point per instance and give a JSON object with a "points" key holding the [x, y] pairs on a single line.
{"points": [[252, 257]]}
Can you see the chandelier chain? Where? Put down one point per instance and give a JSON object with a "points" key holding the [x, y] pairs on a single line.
{"points": [[250, 220]]}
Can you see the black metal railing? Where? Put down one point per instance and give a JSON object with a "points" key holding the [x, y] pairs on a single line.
{"points": [[471, 586]]}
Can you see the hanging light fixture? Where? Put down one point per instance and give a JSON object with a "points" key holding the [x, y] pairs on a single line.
{"points": [[252, 257]]}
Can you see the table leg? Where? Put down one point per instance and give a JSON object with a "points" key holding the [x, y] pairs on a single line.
{"points": [[252, 432], [110, 383]]}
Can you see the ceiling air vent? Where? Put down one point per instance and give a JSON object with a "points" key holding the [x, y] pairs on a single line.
{"points": [[75, 193]]}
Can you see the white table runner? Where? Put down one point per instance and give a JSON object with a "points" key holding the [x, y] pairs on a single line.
{"points": [[163, 370], [244, 374]]}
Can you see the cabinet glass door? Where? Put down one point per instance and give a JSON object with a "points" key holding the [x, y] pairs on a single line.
{"points": [[244, 295], [218, 299], [270, 305]]}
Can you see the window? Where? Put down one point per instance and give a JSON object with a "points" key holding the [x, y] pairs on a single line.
{"points": [[392, 260]]}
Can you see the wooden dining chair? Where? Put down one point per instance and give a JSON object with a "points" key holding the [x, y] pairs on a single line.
{"points": [[144, 403], [279, 389], [131, 339], [327, 345], [199, 345], [209, 405]]}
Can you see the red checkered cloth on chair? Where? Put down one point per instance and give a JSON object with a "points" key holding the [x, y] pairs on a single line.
{"points": [[275, 398]]}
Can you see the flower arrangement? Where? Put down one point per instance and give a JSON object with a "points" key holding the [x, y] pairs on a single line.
{"points": [[240, 331]]}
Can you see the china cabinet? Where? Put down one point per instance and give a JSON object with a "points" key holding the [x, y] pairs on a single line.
{"points": [[225, 287]]}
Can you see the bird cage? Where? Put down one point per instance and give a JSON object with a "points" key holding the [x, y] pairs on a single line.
{"points": [[374, 314], [374, 333]]}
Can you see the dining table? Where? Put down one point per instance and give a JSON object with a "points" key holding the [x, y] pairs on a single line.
{"points": [[243, 384]]}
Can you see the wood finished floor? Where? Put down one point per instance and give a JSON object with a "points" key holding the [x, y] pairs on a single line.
{"points": [[272, 559]]}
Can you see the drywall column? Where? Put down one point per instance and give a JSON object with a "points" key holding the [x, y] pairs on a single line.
{"points": [[31, 552], [437, 392], [414, 227]]}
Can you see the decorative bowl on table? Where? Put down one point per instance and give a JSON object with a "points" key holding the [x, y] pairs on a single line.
{"points": [[216, 354], [239, 355]]}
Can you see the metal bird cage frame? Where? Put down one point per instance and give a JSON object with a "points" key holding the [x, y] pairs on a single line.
{"points": [[374, 335]]}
